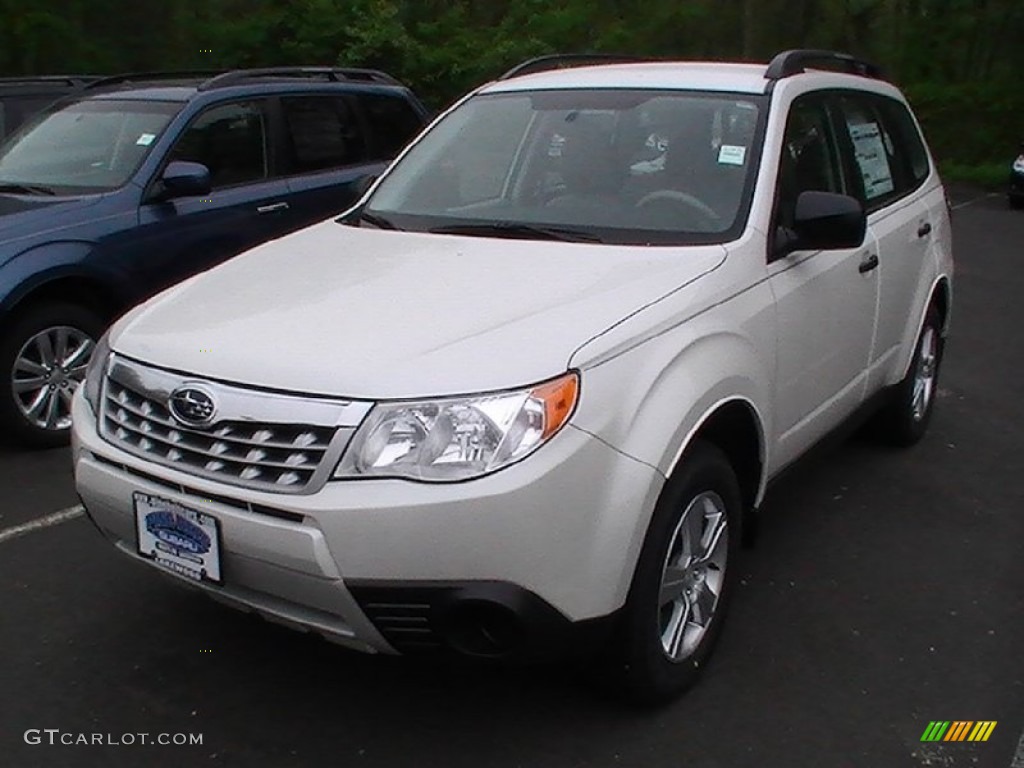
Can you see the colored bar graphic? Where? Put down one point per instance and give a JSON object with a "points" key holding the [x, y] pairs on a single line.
{"points": [[935, 730], [958, 730]]}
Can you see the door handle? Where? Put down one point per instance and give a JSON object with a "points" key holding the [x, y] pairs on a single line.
{"points": [[925, 229], [272, 208], [868, 264]]}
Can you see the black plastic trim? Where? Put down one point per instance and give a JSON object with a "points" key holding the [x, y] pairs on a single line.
{"points": [[488, 620], [797, 61]]}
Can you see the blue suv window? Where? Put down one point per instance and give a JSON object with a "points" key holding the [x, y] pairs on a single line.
{"points": [[324, 133], [392, 120], [230, 140]]}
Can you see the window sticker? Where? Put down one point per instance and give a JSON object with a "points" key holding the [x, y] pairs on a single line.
{"points": [[872, 159], [730, 154], [146, 139]]}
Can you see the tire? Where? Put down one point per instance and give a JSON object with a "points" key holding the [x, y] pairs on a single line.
{"points": [[24, 357], [904, 421], [645, 662], [1016, 202]]}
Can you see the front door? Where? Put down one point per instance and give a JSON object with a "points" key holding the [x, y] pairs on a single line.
{"points": [[825, 300]]}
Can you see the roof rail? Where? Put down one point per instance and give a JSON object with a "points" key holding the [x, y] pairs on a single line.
{"points": [[131, 77], [74, 80], [566, 60], [332, 74], [793, 62]]}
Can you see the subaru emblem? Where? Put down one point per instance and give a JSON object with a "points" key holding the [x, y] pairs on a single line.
{"points": [[192, 406]]}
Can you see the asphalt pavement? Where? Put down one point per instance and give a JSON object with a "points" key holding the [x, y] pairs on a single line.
{"points": [[886, 591]]}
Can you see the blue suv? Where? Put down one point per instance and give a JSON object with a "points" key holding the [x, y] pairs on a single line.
{"points": [[139, 181]]}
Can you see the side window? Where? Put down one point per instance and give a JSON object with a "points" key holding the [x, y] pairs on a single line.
{"points": [[909, 143], [323, 132], [230, 140], [392, 120], [882, 175], [810, 161]]}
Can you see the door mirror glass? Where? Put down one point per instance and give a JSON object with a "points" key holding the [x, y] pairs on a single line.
{"points": [[826, 221], [185, 179]]}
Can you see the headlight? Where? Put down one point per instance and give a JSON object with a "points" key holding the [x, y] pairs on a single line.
{"points": [[461, 437], [1018, 164], [94, 373]]}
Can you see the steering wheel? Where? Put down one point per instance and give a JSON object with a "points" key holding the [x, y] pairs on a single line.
{"points": [[691, 204]]}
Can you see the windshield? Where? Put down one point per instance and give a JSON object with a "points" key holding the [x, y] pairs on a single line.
{"points": [[614, 166], [87, 146]]}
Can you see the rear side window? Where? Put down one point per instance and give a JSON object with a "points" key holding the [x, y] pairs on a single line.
{"points": [[230, 140], [323, 133], [392, 120], [908, 139]]}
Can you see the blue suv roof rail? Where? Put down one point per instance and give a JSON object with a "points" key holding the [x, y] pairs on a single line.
{"points": [[135, 77], [796, 61], [332, 74], [73, 80], [567, 60]]}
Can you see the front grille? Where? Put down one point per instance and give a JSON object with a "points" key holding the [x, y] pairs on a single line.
{"points": [[240, 449]]}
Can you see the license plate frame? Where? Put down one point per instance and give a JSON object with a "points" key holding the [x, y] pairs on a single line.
{"points": [[178, 538]]}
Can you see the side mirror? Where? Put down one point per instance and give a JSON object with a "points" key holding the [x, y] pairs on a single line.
{"points": [[184, 179], [825, 221], [363, 183]]}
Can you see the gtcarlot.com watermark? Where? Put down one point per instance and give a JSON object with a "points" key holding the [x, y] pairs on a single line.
{"points": [[55, 737]]}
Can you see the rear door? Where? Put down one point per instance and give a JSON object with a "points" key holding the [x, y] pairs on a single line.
{"points": [[325, 151], [888, 174], [247, 204]]}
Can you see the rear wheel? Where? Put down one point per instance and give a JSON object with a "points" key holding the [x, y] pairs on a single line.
{"points": [[905, 419], [683, 580], [1017, 201], [43, 358]]}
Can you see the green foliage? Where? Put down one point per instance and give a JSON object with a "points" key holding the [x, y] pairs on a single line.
{"points": [[959, 60]]}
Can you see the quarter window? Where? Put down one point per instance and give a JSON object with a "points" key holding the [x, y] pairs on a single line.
{"points": [[324, 133], [230, 140]]}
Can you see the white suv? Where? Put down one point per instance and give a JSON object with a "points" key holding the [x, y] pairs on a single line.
{"points": [[525, 396]]}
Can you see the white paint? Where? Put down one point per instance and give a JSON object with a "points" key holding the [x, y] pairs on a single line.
{"points": [[39, 523]]}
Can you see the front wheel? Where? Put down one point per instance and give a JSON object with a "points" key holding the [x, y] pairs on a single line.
{"points": [[43, 358], [683, 580]]}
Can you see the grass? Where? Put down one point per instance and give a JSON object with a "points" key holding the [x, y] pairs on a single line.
{"points": [[989, 175]]}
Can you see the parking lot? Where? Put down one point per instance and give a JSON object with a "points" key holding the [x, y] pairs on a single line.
{"points": [[885, 592]]}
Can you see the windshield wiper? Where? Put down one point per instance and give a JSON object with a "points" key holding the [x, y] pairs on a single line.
{"points": [[514, 230], [25, 189], [370, 218]]}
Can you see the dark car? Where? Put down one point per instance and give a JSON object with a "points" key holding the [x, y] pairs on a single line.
{"points": [[23, 97], [1016, 191], [137, 182]]}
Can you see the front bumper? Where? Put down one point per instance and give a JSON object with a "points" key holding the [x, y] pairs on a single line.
{"points": [[532, 553]]}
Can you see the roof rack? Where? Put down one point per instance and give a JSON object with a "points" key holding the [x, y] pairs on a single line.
{"points": [[793, 62], [73, 80], [133, 77], [567, 60], [332, 74]]}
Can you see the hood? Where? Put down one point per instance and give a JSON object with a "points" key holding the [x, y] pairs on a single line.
{"points": [[24, 215], [337, 310]]}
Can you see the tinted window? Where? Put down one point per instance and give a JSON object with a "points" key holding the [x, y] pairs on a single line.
{"points": [[323, 133], [230, 140], [810, 160], [392, 120], [909, 143]]}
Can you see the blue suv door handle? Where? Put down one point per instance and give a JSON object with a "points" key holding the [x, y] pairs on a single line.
{"points": [[272, 208]]}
